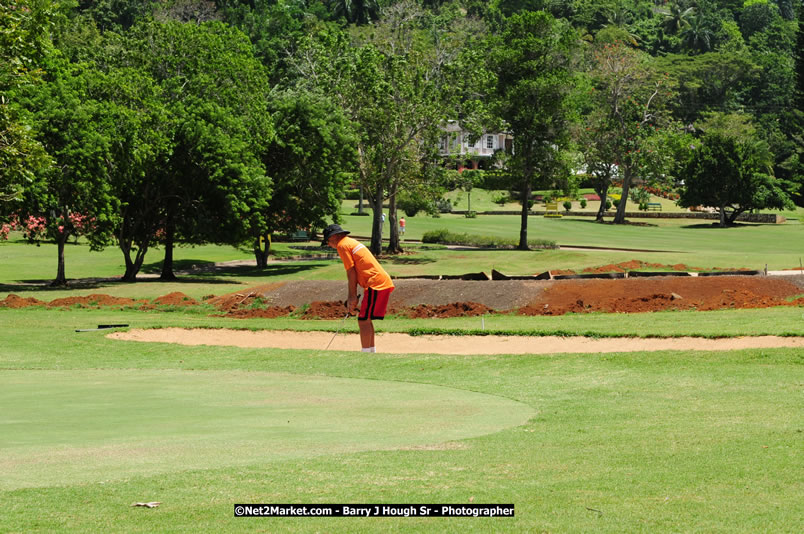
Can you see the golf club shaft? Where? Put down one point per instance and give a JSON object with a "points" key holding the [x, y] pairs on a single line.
{"points": [[338, 330]]}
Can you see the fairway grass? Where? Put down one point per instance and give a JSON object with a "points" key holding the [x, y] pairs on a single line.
{"points": [[637, 442], [88, 426]]}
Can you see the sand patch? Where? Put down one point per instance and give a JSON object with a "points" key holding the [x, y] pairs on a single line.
{"points": [[406, 344]]}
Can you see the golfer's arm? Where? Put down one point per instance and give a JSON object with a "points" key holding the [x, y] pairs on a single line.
{"points": [[351, 276]]}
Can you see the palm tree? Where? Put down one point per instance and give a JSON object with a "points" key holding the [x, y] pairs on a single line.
{"points": [[620, 17], [676, 18], [357, 11], [697, 36]]}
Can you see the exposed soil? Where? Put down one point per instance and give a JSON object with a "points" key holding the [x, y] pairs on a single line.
{"points": [[176, 298], [325, 310], [321, 299], [92, 300], [455, 309], [634, 295], [15, 301], [638, 265]]}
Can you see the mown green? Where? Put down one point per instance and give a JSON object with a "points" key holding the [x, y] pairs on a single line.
{"points": [[633, 442]]}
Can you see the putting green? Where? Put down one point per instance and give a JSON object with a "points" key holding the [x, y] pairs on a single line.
{"points": [[67, 427]]}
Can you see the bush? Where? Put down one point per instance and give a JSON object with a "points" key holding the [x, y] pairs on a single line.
{"points": [[435, 236], [352, 194], [470, 214], [501, 198], [616, 202], [412, 204], [583, 203], [444, 236], [608, 204], [444, 205], [567, 205]]}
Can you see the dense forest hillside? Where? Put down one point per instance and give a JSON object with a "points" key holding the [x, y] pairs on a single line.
{"points": [[137, 123]]}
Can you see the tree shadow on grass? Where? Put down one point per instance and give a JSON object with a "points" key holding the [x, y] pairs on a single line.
{"points": [[611, 222], [407, 260], [221, 275], [207, 270], [714, 225]]}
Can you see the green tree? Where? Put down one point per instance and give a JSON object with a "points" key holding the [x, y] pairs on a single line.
{"points": [[308, 159], [532, 62], [398, 85], [25, 39], [627, 94], [676, 17], [75, 196], [213, 186], [697, 36], [714, 81], [731, 173], [356, 11]]}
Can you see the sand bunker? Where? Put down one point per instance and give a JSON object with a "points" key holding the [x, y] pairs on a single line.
{"points": [[406, 344]]}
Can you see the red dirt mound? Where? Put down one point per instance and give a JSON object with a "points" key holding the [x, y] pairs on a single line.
{"points": [[92, 300], [634, 265], [634, 295], [325, 310], [177, 298], [455, 309], [15, 301], [271, 312], [233, 301]]}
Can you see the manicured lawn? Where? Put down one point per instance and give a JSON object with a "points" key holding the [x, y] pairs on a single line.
{"points": [[27, 268], [640, 442]]}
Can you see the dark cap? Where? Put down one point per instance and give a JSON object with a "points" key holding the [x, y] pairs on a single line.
{"points": [[331, 230]]}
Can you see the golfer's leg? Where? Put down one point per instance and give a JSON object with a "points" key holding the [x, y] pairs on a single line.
{"points": [[366, 333]]}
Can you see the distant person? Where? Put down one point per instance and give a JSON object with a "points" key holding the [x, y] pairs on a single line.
{"points": [[361, 268], [383, 218], [402, 226]]}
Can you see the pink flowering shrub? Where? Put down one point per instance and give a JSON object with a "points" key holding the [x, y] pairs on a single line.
{"points": [[35, 227]]}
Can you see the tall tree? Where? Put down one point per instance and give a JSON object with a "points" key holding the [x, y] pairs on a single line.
{"points": [[628, 94], [532, 62], [308, 159], [213, 185], [732, 174], [397, 92], [676, 17], [25, 39], [75, 196]]}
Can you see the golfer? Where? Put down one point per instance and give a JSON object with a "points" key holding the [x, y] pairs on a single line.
{"points": [[364, 269]]}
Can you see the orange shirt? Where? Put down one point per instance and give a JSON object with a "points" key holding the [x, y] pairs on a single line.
{"points": [[369, 272]]}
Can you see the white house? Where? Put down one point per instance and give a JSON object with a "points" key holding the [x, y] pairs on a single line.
{"points": [[456, 143]]}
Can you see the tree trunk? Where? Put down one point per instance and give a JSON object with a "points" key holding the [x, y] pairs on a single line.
{"points": [[61, 279], [523, 227], [360, 202], [125, 247], [170, 234], [603, 194], [376, 230], [731, 218], [619, 218], [261, 254], [393, 243], [132, 266]]}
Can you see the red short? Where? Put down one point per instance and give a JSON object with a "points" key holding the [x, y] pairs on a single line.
{"points": [[374, 304]]}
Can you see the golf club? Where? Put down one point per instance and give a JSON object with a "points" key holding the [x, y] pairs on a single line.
{"points": [[338, 331]]}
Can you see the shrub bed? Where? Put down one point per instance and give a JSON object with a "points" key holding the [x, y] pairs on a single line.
{"points": [[446, 237]]}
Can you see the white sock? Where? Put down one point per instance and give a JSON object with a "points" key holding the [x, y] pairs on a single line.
{"points": [[369, 349]]}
